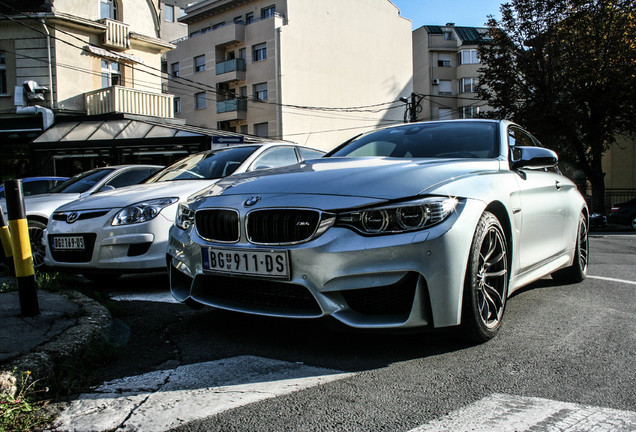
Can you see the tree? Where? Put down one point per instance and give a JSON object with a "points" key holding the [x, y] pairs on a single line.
{"points": [[566, 70]]}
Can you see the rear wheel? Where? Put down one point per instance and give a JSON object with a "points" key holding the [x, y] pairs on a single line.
{"points": [[36, 233], [486, 282], [578, 270], [634, 224]]}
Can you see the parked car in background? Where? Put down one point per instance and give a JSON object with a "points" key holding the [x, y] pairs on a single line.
{"points": [[426, 224], [36, 185], [126, 231], [624, 214], [40, 207]]}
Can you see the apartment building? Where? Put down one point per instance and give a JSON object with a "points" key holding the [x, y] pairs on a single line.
{"points": [[445, 71], [289, 69]]}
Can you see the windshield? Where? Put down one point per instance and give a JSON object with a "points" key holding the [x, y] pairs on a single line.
{"points": [[205, 166], [83, 181], [426, 140]]}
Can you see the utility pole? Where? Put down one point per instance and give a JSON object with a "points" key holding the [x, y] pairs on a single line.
{"points": [[413, 107]]}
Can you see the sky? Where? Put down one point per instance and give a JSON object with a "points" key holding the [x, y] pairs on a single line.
{"points": [[469, 13]]}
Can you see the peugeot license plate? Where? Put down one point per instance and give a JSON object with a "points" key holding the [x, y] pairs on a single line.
{"points": [[254, 262]]}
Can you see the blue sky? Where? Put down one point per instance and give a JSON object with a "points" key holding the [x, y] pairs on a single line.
{"points": [[472, 13]]}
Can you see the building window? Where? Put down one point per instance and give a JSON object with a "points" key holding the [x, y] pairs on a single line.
{"points": [[219, 25], [111, 74], [174, 70], [168, 13], [249, 18], [468, 57], [199, 63], [260, 91], [448, 35], [242, 53], [3, 73], [244, 129], [468, 112], [205, 30], [182, 12], [444, 87], [259, 52], [268, 11], [261, 129], [177, 105], [444, 60], [108, 9], [195, 33], [468, 85], [200, 102], [238, 20]]}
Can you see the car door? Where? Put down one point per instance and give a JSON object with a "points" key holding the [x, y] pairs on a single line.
{"points": [[543, 208]]}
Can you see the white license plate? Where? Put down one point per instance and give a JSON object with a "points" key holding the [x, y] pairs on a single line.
{"points": [[69, 243], [268, 263]]}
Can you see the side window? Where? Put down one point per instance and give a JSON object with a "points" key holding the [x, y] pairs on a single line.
{"points": [[309, 154], [128, 177], [276, 157]]}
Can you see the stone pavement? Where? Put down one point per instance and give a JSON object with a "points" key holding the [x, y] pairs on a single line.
{"points": [[67, 322]]}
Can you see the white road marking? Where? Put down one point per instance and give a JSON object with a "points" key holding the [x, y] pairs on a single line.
{"points": [[612, 279], [161, 297], [159, 401], [503, 413]]}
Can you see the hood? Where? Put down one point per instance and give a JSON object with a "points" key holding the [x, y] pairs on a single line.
{"points": [[379, 178], [123, 197]]}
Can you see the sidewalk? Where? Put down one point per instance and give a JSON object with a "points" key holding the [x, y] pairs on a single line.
{"points": [[67, 322]]}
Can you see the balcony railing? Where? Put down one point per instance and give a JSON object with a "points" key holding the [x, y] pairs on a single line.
{"points": [[230, 66], [118, 99], [117, 34], [239, 105]]}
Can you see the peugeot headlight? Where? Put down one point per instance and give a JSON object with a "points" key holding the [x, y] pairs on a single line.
{"points": [[142, 211], [185, 217], [399, 217]]}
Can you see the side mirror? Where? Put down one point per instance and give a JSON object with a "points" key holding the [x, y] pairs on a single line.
{"points": [[532, 157]]}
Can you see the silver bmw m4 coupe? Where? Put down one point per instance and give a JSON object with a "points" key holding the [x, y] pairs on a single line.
{"points": [[430, 224]]}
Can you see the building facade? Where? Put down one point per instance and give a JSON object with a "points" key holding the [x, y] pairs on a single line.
{"points": [[445, 71], [311, 72], [68, 57]]}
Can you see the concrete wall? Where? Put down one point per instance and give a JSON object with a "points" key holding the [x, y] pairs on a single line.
{"points": [[342, 54]]}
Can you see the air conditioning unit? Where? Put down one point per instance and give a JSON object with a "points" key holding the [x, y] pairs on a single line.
{"points": [[435, 81]]}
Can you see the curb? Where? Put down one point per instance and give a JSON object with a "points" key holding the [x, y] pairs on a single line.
{"points": [[93, 321]]}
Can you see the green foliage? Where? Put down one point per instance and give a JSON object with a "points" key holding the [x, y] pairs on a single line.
{"points": [[565, 69], [20, 412]]}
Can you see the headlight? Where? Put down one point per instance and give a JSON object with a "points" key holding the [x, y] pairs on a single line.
{"points": [[399, 217], [142, 211], [185, 217]]}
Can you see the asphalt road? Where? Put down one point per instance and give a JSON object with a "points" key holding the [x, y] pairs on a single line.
{"points": [[569, 343]]}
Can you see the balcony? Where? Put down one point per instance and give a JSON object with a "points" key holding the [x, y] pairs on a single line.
{"points": [[117, 35], [118, 99], [229, 34], [231, 109], [232, 70]]}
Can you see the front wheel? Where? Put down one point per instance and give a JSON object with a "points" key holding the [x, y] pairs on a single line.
{"points": [[486, 281], [578, 270], [36, 233]]}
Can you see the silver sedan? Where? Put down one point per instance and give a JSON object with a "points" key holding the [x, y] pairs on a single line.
{"points": [[427, 224]]}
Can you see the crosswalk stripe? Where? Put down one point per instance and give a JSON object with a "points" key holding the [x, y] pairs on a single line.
{"points": [[503, 413], [161, 400]]}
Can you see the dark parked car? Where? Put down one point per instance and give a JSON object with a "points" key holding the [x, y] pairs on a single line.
{"points": [[37, 185], [624, 214]]}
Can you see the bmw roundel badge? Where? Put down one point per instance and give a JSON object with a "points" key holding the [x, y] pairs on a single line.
{"points": [[251, 201]]}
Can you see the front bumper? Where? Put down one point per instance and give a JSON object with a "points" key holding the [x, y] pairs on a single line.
{"points": [[125, 249], [393, 281]]}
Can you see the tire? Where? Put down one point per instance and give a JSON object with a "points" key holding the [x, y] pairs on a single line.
{"points": [[634, 224], [38, 250], [578, 270], [486, 281]]}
